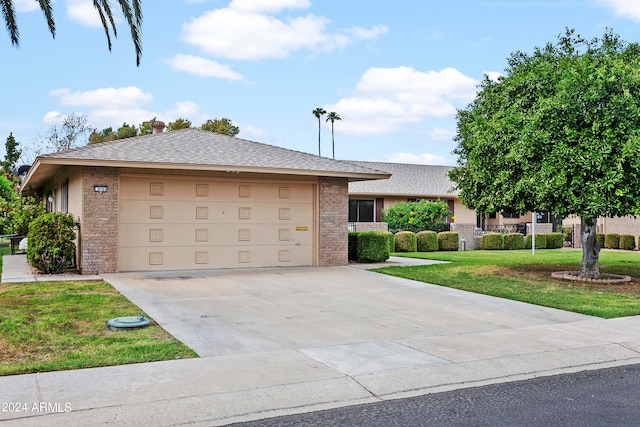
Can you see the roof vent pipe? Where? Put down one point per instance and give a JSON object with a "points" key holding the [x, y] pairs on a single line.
{"points": [[158, 127]]}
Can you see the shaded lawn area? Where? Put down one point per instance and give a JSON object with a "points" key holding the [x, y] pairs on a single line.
{"points": [[521, 276], [51, 326]]}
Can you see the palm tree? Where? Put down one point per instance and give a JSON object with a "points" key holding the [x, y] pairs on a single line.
{"points": [[319, 112], [333, 116], [131, 10]]}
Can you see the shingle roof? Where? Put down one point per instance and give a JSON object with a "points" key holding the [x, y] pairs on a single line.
{"points": [[406, 180], [192, 148]]}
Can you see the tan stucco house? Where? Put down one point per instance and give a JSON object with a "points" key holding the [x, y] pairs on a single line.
{"points": [[192, 199]]}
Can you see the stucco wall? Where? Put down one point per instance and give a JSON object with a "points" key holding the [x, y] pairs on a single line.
{"points": [[99, 221], [333, 210]]}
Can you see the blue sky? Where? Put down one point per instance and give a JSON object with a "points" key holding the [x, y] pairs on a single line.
{"points": [[394, 71]]}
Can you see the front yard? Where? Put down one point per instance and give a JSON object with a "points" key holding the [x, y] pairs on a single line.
{"points": [[53, 326], [521, 276]]}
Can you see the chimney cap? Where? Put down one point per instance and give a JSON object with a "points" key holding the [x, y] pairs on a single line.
{"points": [[158, 127]]}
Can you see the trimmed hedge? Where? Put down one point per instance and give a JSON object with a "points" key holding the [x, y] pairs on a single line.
{"points": [[541, 241], [373, 246], [392, 241], [427, 241], [448, 241], [555, 240], [612, 241], [406, 241], [600, 239], [627, 242], [492, 241], [513, 241], [353, 246]]}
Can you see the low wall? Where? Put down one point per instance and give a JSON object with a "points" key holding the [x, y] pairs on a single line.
{"points": [[467, 233], [368, 226]]}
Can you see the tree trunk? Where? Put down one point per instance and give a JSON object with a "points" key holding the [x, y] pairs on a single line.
{"points": [[590, 248]]}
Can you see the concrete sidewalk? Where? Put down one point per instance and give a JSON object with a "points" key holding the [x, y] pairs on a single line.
{"points": [[304, 339], [15, 269]]}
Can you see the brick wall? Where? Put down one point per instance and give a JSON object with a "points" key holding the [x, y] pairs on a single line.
{"points": [[333, 221], [370, 226], [99, 221], [467, 232]]}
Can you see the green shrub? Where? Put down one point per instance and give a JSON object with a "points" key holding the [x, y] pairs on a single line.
{"points": [[406, 241], [612, 241], [415, 215], [627, 242], [448, 241], [541, 241], [392, 241], [514, 241], [51, 247], [600, 239], [427, 241], [353, 246], [555, 240], [492, 241], [373, 246]]}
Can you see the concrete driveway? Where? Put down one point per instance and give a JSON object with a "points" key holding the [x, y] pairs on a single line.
{"points": [[279, 341], [319, 311]]}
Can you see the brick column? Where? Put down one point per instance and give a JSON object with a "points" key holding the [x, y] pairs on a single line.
{"points": [[333, 222], [99, 221]]}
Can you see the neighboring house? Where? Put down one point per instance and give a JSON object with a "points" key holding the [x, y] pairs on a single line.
{"points": [[412, 182], [192, 199], [408, 182]]}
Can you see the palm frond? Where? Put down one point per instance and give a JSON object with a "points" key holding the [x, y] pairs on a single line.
{"points": [[9, 15], [47, 9], [134, 18], [103, 19]]}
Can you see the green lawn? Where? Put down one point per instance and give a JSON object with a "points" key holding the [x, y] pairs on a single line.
{"points": [[521, 276], [52, 326]]}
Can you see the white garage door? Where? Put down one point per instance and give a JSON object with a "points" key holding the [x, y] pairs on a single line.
{"points": [[175, 223]]}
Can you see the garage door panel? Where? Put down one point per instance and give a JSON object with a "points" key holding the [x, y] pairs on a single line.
{"points": [[176, 189], [213, 235], [172, 211], [188, 258], [178, 223]]}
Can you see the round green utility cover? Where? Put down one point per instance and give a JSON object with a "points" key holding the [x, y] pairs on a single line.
{"points": [[128, 322]]}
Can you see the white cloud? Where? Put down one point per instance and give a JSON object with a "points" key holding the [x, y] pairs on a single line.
{"points": [[26, 5], [248, 30], [441, 134], [385, 99], [421, 159], [258, 6], [53, 118], [202, 67], [363, 33], [624, 9], [110, 107], [83, 12], [128, 97], [493, 75]]}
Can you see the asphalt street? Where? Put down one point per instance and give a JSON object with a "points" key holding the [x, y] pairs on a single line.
{"points": [[606, 397]]}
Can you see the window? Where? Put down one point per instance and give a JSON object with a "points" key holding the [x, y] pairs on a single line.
{"points": [[361, 210], [64, 197], [510, 215]]}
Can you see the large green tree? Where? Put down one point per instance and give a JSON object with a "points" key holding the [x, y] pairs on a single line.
{"points": [[559, 132], [223, 126], [131, 10], [319, 112]]}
